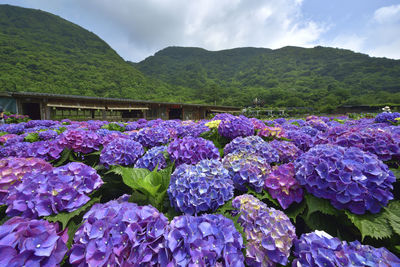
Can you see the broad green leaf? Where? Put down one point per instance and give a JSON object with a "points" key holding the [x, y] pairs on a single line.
{"points": [[262, 196], [32, 137], [374, 225], [315, 204], [72, 228], [65, 217], [392, 212], [64, 157], [295, 210], [130, 176]]}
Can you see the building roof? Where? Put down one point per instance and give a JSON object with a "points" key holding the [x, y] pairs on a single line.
{"points": [[110, 100]]}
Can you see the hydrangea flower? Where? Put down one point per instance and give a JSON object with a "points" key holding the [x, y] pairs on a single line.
{"points": [[25, 242], [64, 188], [202, 187], [207, 240], [131, 126], [258, 124], [236, 126], [80, 141], [15, 128], [309, 130], [121, 151], [387, 117], [272, 132], [301, 140], [320, 249], [193, 129], [119, 233], [213, 124], [152, 158], [378, 141], [247, 168], [280, 121], [13, 169], [151, 137], [48, 135], [191, 150], [43, 123], [252, 144], [14, 150], [269, 232], [6, 137], [282, 185], [47, 150], [348, 177], [111, 136], [318, 124], [287, 151]]}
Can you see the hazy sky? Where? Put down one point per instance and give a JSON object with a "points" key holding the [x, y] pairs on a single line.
{"points": [[137, 29]]}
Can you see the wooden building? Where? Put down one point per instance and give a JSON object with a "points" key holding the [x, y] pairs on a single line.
{"points": [[57, 107]]}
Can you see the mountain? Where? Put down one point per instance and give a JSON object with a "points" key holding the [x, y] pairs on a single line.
{"points": [[41, 52], [318, 77]]}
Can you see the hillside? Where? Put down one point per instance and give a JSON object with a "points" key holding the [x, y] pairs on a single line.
{"points": [[317, 77], [41, 52]]}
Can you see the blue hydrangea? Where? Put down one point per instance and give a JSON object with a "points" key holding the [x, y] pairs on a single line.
{"points": [[119, 233], [348, 177], [236, 126], [207, 240], [152, 158], [121, 151], [153, 136], [387, 117], [287, 151], [198, 188], [48, 135]]}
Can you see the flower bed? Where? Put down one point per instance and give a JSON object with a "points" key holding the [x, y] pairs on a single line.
{"points": [[230, 191]]}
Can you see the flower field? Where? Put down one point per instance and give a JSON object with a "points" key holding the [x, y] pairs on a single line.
{"points": [[231, 191]]}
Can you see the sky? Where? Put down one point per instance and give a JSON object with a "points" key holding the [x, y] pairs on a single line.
{"points": [[137, 29]]}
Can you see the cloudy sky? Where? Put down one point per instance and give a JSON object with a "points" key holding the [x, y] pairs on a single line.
{"points": [[137, 29]]}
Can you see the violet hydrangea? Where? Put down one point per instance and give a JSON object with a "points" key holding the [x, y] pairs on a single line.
{"points": [[282, 185], [269, 232], [191, 150], [152, 158], [236, 126], [153, 136], [198, 188], [80, 141], [119, 233], [121, 151], [287, 151], [64, 188], [26, 242], [207, 240], [348, 177]]}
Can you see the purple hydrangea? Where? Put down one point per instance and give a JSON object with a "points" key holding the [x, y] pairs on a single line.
{"points": [[252, 144], [119, 233], [6, 137], [309, 130], [258, 124], [80, 141], [14, 150], [64, 188], [380, 142], [301, 140], [121, 151], [111, 136], [282, 185], [269, 132], [320, 249], [236, 126], [207, 240], [48, 135], [280, 121], [247, 169], [192, 129], [269, 232], [318, 124], [47, 150], [387, 117], [43, 123], [131, 126], [26, 242], [191, 150], [287, 151], [16, 128], [154, 136], [349, 177], [152, 158], [12, 170], [202, 187]]}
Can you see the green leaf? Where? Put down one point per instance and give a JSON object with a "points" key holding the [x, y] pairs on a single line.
{"points": [[295, 210], [396, 172], [65, 217], [32, 137], [374, 225], [64, 157], [392, 212], [315, 204], [262, 196]]}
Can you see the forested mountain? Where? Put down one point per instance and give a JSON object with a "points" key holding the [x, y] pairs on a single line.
{"points": [[41, 52], [318, 77]]}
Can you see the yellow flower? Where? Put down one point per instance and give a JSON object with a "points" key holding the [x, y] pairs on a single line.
{"points": [[213, 124]]}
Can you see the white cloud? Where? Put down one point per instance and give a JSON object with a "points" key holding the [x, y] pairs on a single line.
{"points": [[136, 28], [387, 14]]}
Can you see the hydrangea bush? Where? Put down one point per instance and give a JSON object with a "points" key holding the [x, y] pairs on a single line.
{"points": [[121, 151], [154, 157], [235, 126], [198, 188], [349, 177]]}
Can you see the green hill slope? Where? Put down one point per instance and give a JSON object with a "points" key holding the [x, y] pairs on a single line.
{"points": [[291, 76], [41, 52]]}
